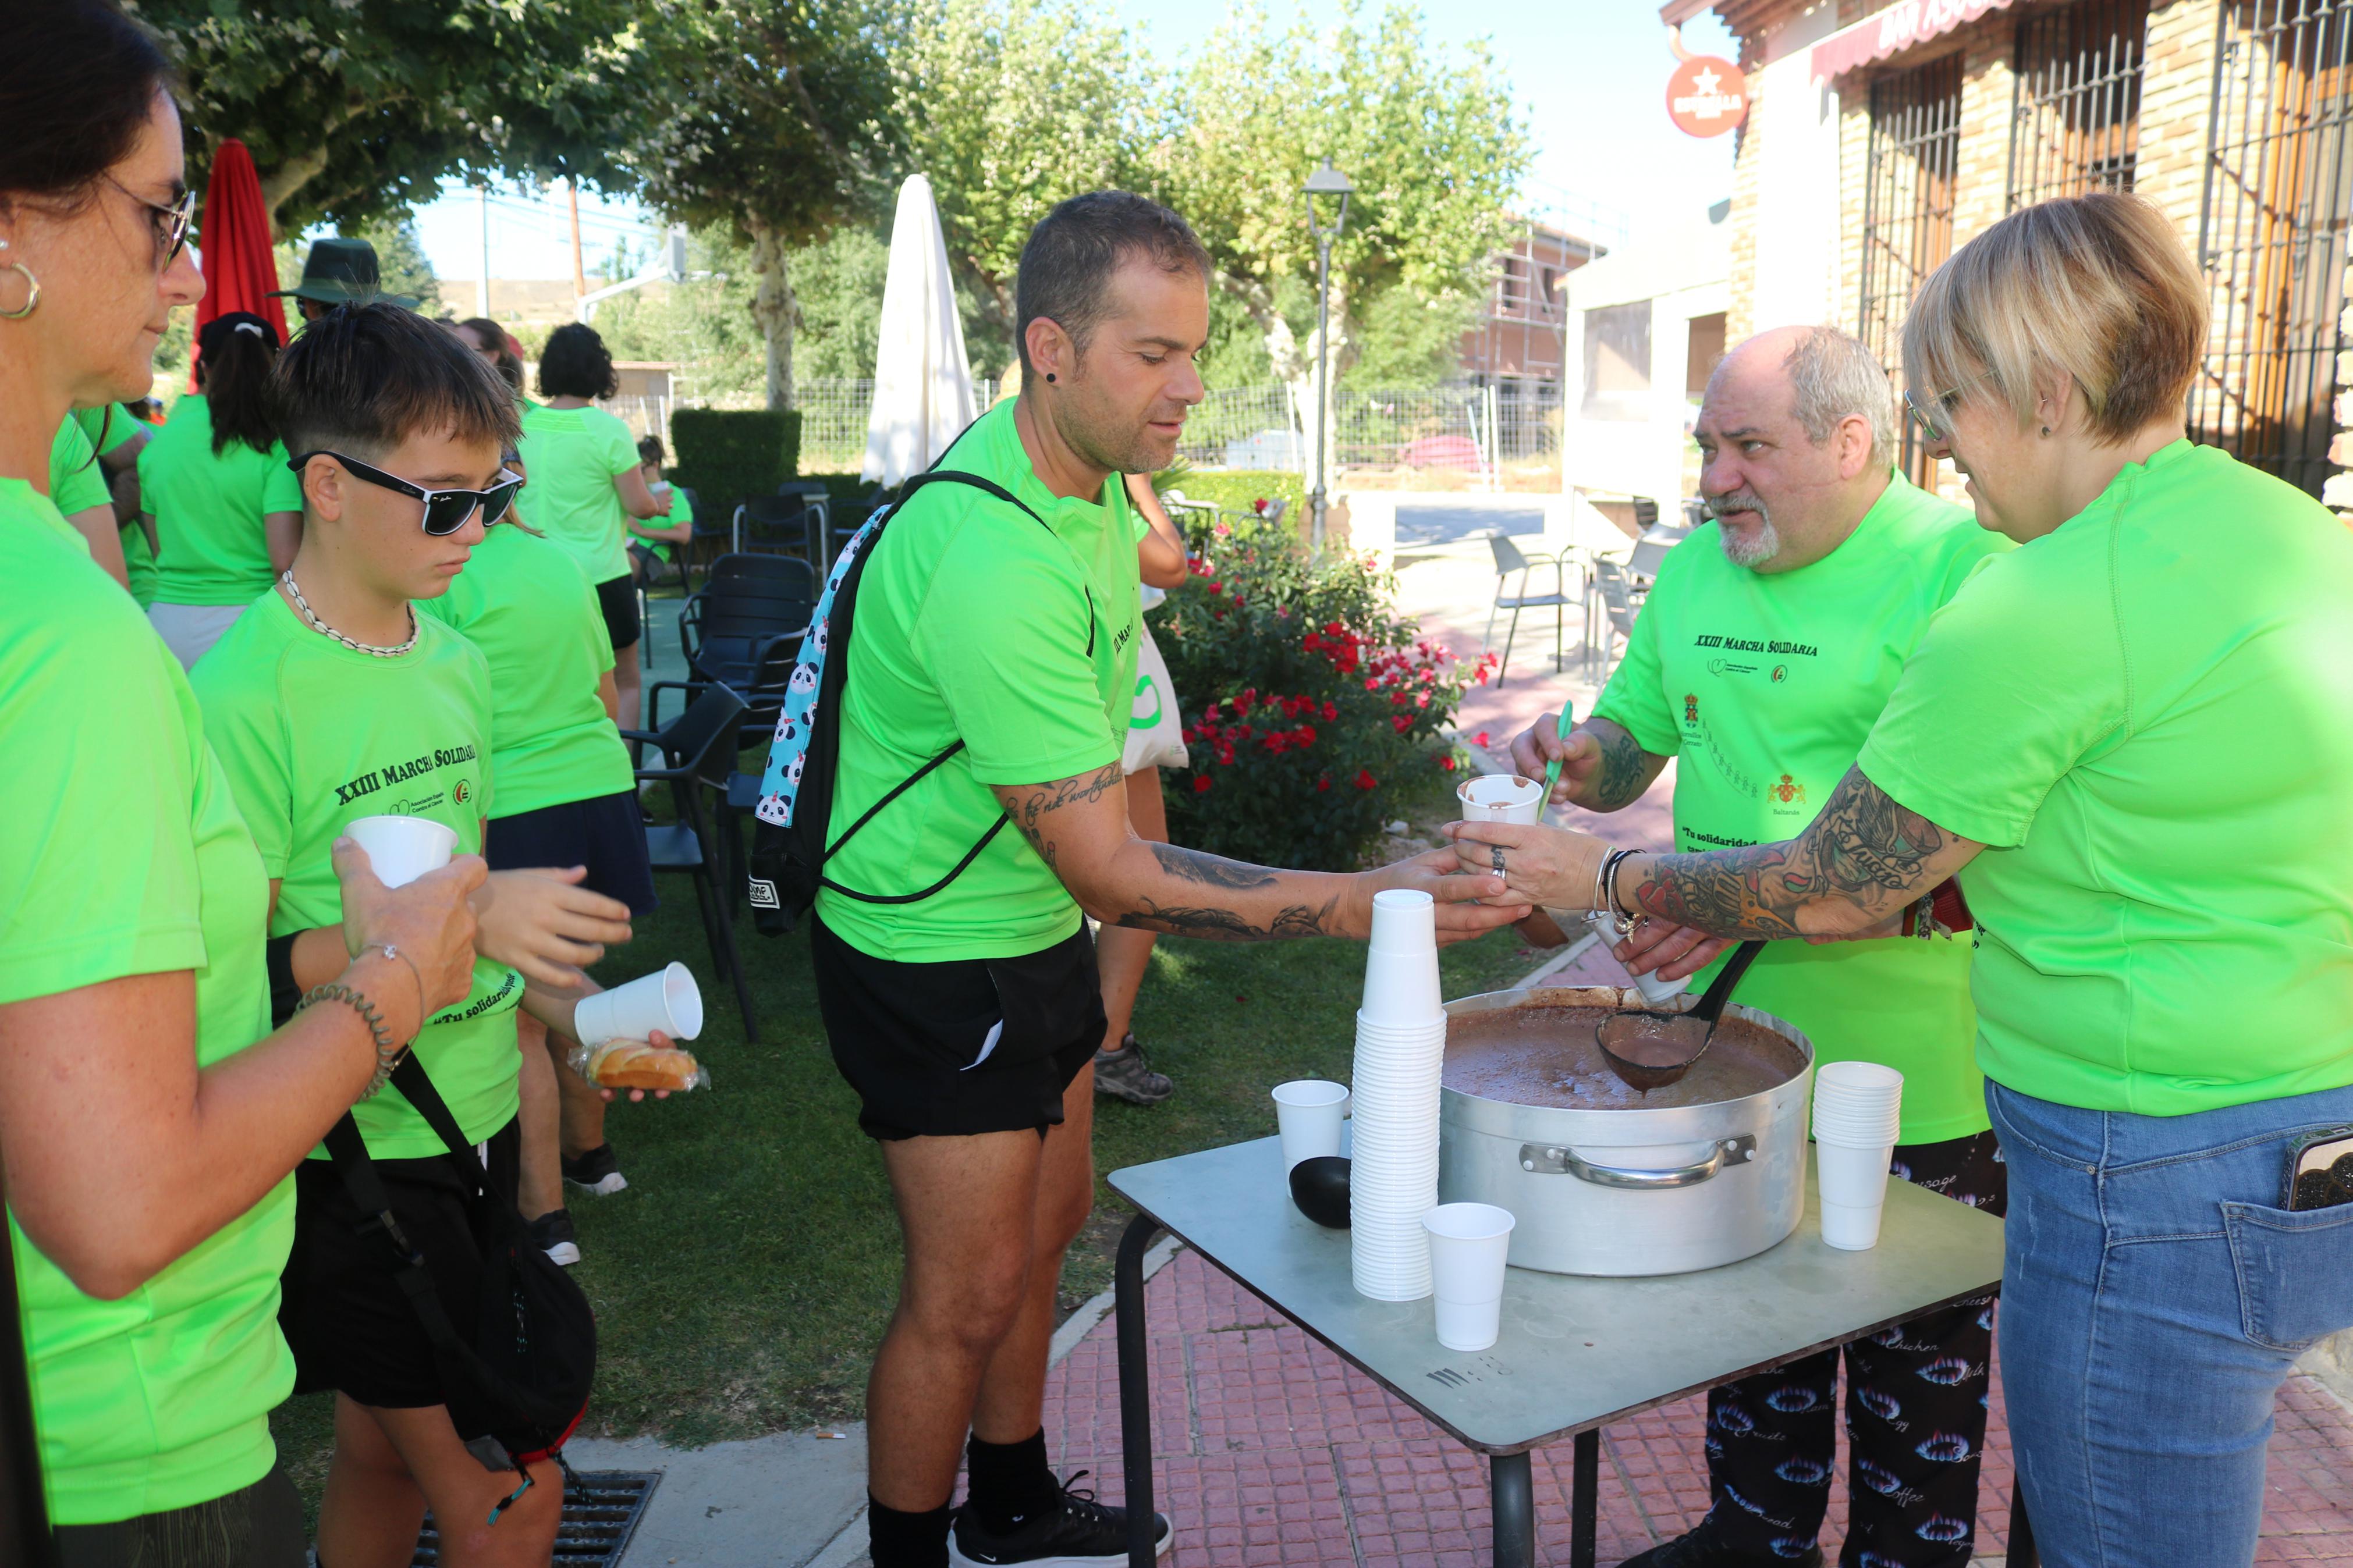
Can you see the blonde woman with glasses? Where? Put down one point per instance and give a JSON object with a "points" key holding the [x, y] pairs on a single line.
{"points": [[2132, 740]]}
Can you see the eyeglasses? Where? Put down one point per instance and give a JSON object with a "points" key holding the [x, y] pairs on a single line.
{"points": [[172, 224], [1934, 420], [446, 511]]}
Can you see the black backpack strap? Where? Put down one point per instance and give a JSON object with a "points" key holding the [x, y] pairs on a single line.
{"points": [[417, 1087], [358, 1172]]}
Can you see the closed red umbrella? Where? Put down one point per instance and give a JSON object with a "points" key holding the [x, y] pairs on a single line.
{"points": [[240, 273]]}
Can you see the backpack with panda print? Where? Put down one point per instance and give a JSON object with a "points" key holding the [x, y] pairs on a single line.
{"points": [[789, 847]]}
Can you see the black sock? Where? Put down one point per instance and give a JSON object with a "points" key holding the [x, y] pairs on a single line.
{"points": [[1010, 1483], [906, 1540]]}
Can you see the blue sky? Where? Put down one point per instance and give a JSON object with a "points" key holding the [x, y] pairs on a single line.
{"points": [[1589, 76]]}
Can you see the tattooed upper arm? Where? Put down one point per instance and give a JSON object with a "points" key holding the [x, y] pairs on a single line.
{"points": [[1860, 861], [1626, 771]]}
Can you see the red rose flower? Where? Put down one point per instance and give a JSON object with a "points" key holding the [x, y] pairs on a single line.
{"points": [[1365, 780], [1200, 784], [1323, 781]]}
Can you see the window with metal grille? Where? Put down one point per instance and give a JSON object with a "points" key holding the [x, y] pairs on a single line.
{"points": [[2271, 233], [2075, 113], [1907, 211]]}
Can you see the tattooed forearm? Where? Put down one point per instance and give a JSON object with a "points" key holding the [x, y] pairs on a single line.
{"points": [[1046, 798], [1626, 769], [1226, 925], [1193, 866], [1860, 861]]}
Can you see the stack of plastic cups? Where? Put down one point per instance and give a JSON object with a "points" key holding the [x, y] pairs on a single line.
{"points": [[1858, 1111], [1400, 1049]]}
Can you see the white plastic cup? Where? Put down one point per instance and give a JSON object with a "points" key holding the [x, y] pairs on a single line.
{"points": [[1853, 1186], [1468, 1243], [1308, 1112], [1857, 1104], [1501, 797], [667, 1000], [402, 848], [1402, 989], [1405, 920]]}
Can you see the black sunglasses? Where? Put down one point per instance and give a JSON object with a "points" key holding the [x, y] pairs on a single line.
{"points": [[446, 511], [171, 223]]}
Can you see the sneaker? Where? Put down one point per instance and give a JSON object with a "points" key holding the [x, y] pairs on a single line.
{"points": [[596, 1171], [1700, 1549], [1123, 1075], [552, 1234], [1081, 1533]]}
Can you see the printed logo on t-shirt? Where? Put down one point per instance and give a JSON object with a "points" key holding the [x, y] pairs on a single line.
{"points": [[461, 792], [401, 772], [1788, 791], [1690, 709]]}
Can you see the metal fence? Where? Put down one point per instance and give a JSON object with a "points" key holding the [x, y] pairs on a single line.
{"points": [[2271, 233], [2075, 106], [1468, 429], [1907, 214]]}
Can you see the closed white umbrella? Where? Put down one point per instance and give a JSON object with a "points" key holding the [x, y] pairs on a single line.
{"points": [[923, 383]]}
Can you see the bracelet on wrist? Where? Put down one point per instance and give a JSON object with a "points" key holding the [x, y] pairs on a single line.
{"points": [[387, 1053], [1610, 869], [1593, 900], [389, 950]]}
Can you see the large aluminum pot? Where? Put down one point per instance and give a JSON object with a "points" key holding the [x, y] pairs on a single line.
{"points": [[1628, 1192]]}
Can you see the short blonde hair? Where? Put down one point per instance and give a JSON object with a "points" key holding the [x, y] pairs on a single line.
{"points": [[2098, 287]]}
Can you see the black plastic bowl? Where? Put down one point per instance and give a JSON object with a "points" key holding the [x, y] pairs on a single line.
{"points": [[1320, 1188]]}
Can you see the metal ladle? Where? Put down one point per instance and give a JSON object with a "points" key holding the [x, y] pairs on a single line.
{"points": [[1650, 1049]]}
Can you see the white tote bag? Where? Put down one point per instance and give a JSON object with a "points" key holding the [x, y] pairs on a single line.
{"points": [[1155, 732]]}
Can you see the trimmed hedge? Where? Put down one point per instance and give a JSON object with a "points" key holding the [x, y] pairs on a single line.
{"points": [[728, 454]]}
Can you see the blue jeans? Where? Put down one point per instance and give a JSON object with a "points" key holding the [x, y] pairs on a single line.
{"points": [[2154, 1298]]}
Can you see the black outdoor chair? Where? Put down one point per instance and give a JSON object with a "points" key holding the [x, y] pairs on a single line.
{"points": [[1508, 560], [699, 747], [764, 701], [1609, 612], [780, 525], [850, 516], [730, 624], [713, 535]]}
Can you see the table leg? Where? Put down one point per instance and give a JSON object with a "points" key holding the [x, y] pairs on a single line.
{"points": [[1584, 1500], [1515, 1510], [1135, 1387], [2022, 1553]]}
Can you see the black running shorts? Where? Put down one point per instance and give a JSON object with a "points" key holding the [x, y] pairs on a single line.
{"points": [[606, 833], [350, 1327], [618, 597], [972, 1046]]}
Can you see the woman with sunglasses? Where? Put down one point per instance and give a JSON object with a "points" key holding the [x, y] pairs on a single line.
{"points": [[149, 1117], [2130, 738], [225, 513]]}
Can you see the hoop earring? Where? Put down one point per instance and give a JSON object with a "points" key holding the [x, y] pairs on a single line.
{"points": [[30, 300]]}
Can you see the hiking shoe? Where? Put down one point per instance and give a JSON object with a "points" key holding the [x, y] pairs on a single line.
{"points": [[1702, 1548], [1081, 1533], [596, 1171], [1123, 1075], [552, 1234]]}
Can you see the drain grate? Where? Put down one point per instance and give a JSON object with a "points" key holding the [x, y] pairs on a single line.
{"points": [[601, 1510]]}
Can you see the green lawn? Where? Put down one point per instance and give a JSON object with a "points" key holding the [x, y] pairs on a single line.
{"points": [[742, 1280]]}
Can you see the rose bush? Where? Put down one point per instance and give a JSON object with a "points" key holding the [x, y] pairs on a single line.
{"points": [[1309, 703]]}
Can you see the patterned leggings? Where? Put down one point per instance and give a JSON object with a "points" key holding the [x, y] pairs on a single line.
{"points": [[1915, 1418]]}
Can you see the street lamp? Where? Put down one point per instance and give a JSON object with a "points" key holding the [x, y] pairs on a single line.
{"points": [[1326, 181]]}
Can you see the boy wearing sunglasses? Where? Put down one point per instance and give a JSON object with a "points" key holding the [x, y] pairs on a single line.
{"points": [[330, 701]]}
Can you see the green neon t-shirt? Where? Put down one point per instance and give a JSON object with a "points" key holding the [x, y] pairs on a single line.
{"points": [[108, 429], [525, 604], [573, 454], [1763, 687], [314, 736], [680, 510], [2147, 715], [208, 508], [976, 624], [77, 483], [159, 1400]]}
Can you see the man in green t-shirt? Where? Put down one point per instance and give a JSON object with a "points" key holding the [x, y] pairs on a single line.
{"points": [[332, 699], [997, 632], [1762, 657]]}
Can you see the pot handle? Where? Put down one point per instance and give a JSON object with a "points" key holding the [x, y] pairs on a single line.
{"points": [[1551, 1159]]}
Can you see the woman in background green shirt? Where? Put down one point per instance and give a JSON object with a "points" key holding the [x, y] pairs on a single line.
{"points": [[2129, 737], [654, 542], [213, 487], [149, 1118]]}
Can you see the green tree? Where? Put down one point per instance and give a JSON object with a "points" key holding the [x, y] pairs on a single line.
{"points": [[401, 261], [1427, 137], [840, 291], [1009, 107], [775, 120], [358, 110]]}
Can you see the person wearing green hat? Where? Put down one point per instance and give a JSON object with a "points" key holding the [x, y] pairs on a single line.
{"points": [[339, 272]]}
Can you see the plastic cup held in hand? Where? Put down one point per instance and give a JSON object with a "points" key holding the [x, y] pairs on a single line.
{"points": [[1468, 1244], [1853, 1186], [1656, 992], [402, 848], [1308, 1112], [1501, 797], [667, 1000]]}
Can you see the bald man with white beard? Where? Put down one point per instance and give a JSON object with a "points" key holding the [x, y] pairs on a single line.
{"points": [[1762, 657]]}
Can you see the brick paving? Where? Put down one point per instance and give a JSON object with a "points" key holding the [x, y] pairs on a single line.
{"points": [[1270, 1453]]}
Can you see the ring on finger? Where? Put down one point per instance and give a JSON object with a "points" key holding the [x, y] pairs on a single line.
{"points": [[1495, 854]]}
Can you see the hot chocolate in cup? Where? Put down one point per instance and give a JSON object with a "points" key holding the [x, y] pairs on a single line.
{"points": [[1501, 797]]}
